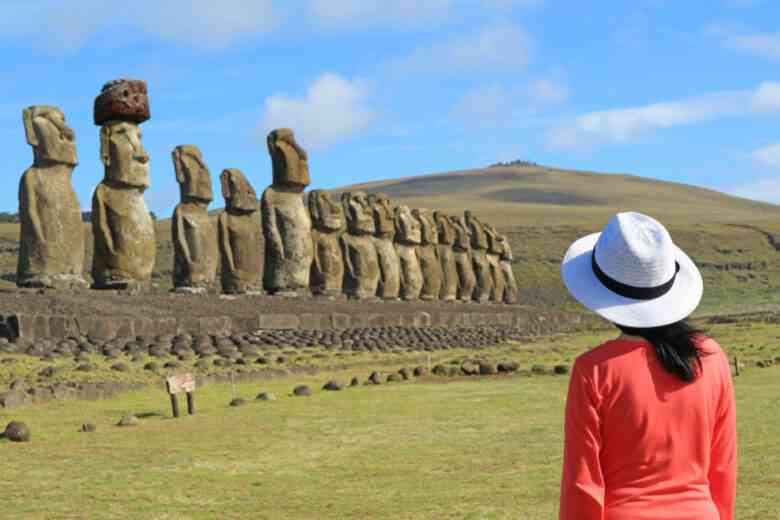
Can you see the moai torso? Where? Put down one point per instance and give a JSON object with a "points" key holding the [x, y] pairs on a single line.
{"points": [[122, 226], [449, 270], [461, 250], [194, 237], [429, 256], [286, 224], [389, 264], [479, 259], [51, 238], [496, 274], [510, 283], [407, 241], [361, 263], [327, 269], [239, 236]]}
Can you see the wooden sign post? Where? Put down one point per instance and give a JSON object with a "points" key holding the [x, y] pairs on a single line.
{"points": [[181, 383]]}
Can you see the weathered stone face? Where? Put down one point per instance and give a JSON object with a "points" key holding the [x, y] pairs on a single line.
{"points": [[122, 99], [510, 283], [192, 174], [289, 160], [360, 217], [327, 270], [383, 215], [325, 215], [52, 140], [240, 236], [237, 192], [123, 155], [193, 235], [476, 232], [449, 281], [496, 274], [462, 240], [429, 261], [407, 228], [479, 258], [462, 252], [361, 277], [51, 239]]}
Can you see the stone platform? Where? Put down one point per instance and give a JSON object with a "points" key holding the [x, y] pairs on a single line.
{"points": [[28, 316]]}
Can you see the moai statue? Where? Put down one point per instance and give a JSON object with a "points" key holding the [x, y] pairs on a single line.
{"points": [[327, 269], [429, 257], [408, 236], [194, 239], [479, 247], [461, 250], [286, 224], [449, 271], [389, 264], [361, 273], [240, 236], [493, 257], [51, 237], [510, 284], [122, 226]]}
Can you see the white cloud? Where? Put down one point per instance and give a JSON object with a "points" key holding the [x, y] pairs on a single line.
{"points": [[342, 13], [502, 46], [767, 156], [767, 190], [495, 103], [626, 124], [67, 26], [334, 109]]}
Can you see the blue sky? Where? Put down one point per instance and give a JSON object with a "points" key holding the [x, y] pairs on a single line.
{"points": [[375, 89]]}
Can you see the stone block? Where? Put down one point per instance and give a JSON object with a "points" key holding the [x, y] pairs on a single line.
{"points": [[340, 321], [314, 321], [123, 100], [279, 321]]}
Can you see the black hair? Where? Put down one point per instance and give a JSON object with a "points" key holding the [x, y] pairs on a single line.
{"points": [[675, 346]]}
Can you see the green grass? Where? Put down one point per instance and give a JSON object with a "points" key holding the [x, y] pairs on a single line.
{"points": [[426, 449]]}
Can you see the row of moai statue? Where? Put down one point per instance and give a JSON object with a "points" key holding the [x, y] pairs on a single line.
{"points": [[362, 247]]}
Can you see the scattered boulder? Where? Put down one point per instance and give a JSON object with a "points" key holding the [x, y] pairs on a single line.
{"points": [[538, 369], [85, 367], [48, 371], [266, 396], [375, 378], [88, 428], [120, 367], [469, 369], [152, 366], [394, 378], [487, 369], [405, 373], [508, 367], [561, 370], [440, 370], [302, 391], [172, 364], [237, 402], [420, 372], [128, 420], [17, 431], [333, 385], [355, 382]]}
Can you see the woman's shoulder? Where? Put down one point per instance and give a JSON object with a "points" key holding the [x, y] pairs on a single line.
{"points": [[610, 349]]}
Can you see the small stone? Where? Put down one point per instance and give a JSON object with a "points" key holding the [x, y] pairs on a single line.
{"points": [[120, 367], [88, 428], [508, 367], [152, 366], [420, 372], [128, 420], [394, 378], [333, 385], [85, 367], [355, 382], [561, 370], [17, 431], [538, 369], [375, 378], [172, 364], [302, 390], [238, 402], [487, 369], [266, 396]]}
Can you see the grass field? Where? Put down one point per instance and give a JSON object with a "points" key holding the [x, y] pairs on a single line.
{"points": [[432, 448]]}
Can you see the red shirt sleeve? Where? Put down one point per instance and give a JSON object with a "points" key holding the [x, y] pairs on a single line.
{"points": [[582, 484], [723, 457]]}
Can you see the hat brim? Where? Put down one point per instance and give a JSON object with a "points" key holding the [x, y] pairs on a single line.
{"points": [[582, 283]]}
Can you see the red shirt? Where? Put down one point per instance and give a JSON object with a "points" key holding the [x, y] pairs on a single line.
{"points": [[642, 444]]}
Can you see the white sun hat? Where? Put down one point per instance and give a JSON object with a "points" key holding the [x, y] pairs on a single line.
{"points": [[632, 274]]}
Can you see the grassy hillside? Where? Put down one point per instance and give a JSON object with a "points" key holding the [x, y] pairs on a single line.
{"points": [[735, 241]]}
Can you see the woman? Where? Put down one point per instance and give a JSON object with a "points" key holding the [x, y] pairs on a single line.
{"points": [[650, 427]]}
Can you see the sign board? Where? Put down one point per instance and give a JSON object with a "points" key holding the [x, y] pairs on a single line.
{"points": [[180, 383]]}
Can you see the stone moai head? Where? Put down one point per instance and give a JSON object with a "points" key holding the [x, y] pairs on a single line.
{"points": [[325, 215], [476, 231], [289, 160], [238, 193], [429, 233], [52, 140], [360, 218], [192, 174], [506, 249], [494, 246], [444, 228], [383, 215], [407, 227], [123, 155], [462, 241]]}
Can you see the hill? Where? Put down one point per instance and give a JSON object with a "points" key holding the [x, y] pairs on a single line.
{"points": [[735, 241]]}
